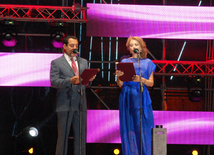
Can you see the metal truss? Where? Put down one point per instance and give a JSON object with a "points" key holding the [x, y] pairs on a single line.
{"points": [[36, 13], [181, 68], [170, 68]]}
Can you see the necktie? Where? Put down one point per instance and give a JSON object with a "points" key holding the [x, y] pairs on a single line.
{"points": [[74, 67]]}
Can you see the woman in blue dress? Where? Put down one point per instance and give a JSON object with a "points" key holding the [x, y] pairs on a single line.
{"points": [[129, 101]]}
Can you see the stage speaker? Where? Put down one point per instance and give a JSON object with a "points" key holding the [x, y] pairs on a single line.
{"points": [[159, 138]]}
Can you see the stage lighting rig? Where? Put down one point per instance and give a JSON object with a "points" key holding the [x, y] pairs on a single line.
{"points": [[9, 39], [8, 32], [58, 39], [58, 31], [26, 139], [195, 88], [29, 132]]}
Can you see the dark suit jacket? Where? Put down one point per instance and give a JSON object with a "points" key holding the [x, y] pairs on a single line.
{"points": [[68, 97]]}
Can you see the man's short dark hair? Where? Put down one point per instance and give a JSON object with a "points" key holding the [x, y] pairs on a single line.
{"points": [[65, 40]]}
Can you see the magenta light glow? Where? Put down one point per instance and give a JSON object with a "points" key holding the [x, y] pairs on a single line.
{"points": [[9, 43], [182, 127], [57, 44], [150, 21]]}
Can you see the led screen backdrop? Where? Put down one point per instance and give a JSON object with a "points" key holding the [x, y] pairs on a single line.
{"points": [[150, 21], [33, 69], [182, 127], [26, 69]]}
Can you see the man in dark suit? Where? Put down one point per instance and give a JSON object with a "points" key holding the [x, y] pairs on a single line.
{"points": [[71, 107]]}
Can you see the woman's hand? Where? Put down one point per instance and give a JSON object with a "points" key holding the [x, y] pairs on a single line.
{"points": [[119, 73], [136, 78], [149, 82]]}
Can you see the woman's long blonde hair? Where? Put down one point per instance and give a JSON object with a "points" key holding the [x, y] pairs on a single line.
{"points": [[143, 54]]}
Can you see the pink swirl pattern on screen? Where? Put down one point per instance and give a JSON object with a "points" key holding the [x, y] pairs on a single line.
{"points": [[182, 127], [150, 21], [26, 69]]}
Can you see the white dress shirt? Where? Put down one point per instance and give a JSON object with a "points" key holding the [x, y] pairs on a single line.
{"points": [[69, 60]]}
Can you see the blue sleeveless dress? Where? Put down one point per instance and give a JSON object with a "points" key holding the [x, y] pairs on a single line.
{"points": [[129, 110]]}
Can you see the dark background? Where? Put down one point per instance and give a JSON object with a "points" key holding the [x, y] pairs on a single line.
{"points": [[24, 106]]}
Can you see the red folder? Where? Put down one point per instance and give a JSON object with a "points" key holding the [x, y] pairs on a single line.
{"points": [[87, 74], [128, 69]]}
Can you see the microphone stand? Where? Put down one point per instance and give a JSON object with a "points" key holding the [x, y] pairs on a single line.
{"points": [[141, 110], [80, 106]]}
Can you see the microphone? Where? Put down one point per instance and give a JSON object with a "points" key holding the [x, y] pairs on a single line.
{"points": [[75, 51], [136, 50]]}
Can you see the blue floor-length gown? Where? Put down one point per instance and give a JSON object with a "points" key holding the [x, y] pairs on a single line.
{"points": [[129, 107]]}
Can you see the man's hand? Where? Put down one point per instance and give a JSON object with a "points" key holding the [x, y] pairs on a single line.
{"points": [[75, 80]]}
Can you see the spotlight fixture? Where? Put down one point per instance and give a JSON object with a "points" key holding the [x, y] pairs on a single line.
{"points": [[33, 132], [27, 139], [193, 152], [8, 32], [9, 40], [195, 88], [58, 39], [116, 151], [8, 36], [30, 132], [58, 31]]}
